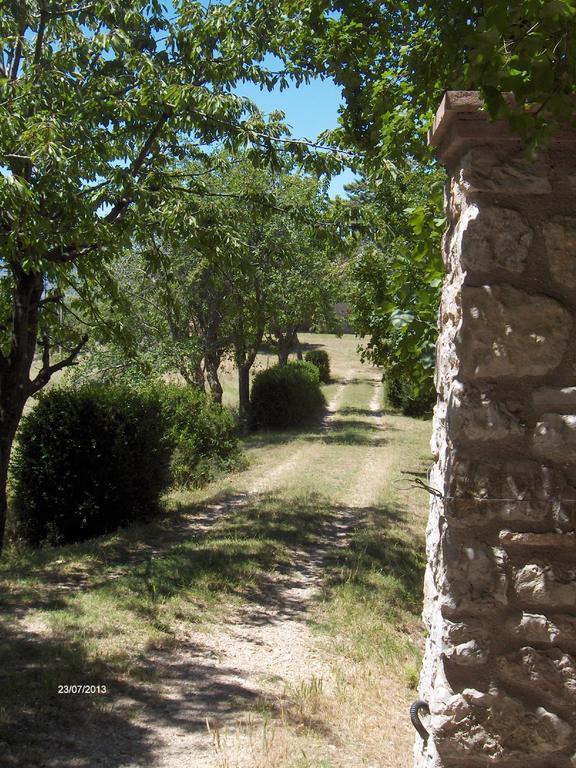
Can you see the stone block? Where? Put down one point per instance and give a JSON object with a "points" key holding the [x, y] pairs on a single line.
{"points": [[545, 587], [554, 438], [559, 542], [484, 170], [508, 333], [554, 399], [560, 239], [550, 675], [507, 491], [470, 578], [492, 238], [494, 728], [466, 643], [474, 416], [558, 630]]}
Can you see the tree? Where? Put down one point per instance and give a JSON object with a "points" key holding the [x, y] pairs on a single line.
{"points": [[219, 271], [395, 273], [395, 59], [96, 101], [302, 287]]}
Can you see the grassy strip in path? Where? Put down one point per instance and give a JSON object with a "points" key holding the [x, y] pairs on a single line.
{"points": [[368, 617]]}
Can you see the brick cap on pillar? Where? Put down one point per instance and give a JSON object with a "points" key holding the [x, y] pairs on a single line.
{"points": [[461, 123]]}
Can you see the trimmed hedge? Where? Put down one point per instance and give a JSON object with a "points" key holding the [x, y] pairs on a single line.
{"points": [[285, 396], [319, 358], [201, 434], [87, 462], [92, 459]]}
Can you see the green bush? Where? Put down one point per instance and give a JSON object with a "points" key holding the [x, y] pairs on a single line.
{"points": [[200, 432], [320, 359], [410, 399], [87, 461], [286, 396]]}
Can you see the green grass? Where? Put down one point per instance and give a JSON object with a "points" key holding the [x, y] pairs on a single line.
{"points": [[98, 612], [131, 603]]}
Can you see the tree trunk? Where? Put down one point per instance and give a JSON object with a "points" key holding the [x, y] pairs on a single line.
{"points": [[212, 364], [9, 420], [283, 351], [244, 395], [299, 354], [285, 344], [193, 377], [15, 384]]}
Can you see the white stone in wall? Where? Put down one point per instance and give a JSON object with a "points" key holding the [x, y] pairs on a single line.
{"points": [[554, 399], [550, 675], [560, 239], [559, 542], [555, 437], [466, 644], [533, 628], [506, 332], [493, 238], [556, 630], [508, 491], [545, 586], [469, 578]]}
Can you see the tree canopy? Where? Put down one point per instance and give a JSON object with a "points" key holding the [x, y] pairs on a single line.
{"points": [[394, 60]]}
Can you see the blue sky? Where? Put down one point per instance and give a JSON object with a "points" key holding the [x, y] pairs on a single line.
{"points": [[310, 109]]}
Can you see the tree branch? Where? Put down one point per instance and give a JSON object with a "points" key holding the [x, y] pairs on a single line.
{"points": [[268, 137], [136, 166], [47, 370], [64, 254], [66, 11], [40, 36], [18, 53]]}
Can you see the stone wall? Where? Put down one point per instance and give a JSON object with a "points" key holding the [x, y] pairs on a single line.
{"points": [[500, 594]]}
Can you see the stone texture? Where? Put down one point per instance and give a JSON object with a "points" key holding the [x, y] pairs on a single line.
{"points": [[554, 399], [474, 416], [497, 727], [470, 578], [510, 333], [466, 643], [494, 238], [560, 239], [500, 585], [560, 542], [556, 630], [549, 675], [485, 170], [545, 586], [483, 491], [555, 438]]}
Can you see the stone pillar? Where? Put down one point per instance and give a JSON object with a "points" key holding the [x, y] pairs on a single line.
{"points": [[499, 670]]}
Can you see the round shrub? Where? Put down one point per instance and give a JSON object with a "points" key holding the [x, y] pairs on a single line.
{"points": [[285, 396], [87, 461], [201, 434], [319, 358]]}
